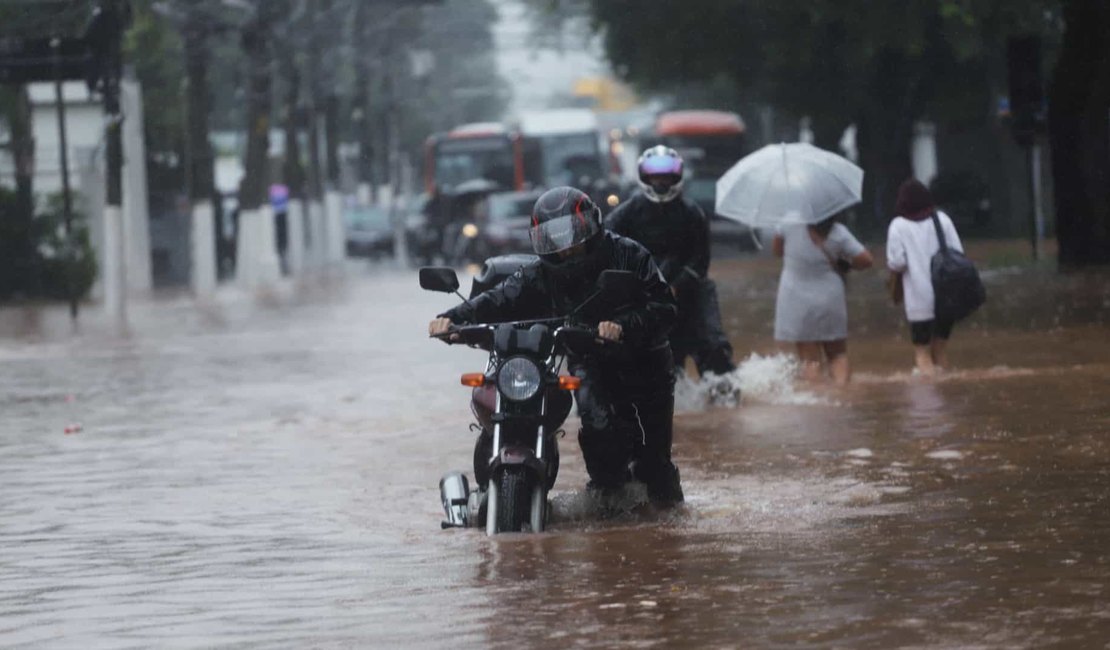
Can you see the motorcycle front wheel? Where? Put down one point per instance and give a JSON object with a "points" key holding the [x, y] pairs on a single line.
{"points": [[514, 500]]}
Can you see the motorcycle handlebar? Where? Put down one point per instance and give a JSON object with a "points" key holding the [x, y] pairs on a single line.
{"points": [[466, 335], [482, 335], [584, 334]]}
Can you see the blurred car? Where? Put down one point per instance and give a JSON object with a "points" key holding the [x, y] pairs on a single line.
{"points": [[722, 230], [422, 240], [507, 218], [369, 231]]}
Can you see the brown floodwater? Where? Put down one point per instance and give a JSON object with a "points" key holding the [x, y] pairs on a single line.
{"points": [[264, 474]]}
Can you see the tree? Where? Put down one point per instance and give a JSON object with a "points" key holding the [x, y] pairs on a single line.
{"points": [[1079, 102], [882, 66], [257, 43]]}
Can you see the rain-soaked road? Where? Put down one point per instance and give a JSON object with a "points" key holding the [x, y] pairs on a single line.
{"points": [[268, 478]]}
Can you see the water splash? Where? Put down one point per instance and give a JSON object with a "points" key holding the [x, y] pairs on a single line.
{"points": [[769, 379]]}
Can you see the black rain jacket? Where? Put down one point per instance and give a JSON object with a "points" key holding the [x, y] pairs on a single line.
{"points": [[676, 233], [534, 292]]}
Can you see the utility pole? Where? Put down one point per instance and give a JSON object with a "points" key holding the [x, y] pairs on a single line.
{"points": [[257, 261], [317, 231], [363, 109], [67, 202], [105, 32], [199, 160]]}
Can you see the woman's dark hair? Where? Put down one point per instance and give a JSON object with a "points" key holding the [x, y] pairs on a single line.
{"points": [[914, 200], [824, 227]]}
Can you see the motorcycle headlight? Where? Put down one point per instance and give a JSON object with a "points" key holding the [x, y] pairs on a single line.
{"points": [[518, 379], [470, 231]]}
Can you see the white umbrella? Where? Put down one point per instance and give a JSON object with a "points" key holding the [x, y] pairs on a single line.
{"points": [[788, 183]]}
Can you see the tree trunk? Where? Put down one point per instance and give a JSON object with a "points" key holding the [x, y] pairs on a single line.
{"points": [[365, 124], [312, 65], [293, 172], [331, 140], [256, 45], [1079, 102], [202, 186], [883, 137], [898, 92], [19, 274]]}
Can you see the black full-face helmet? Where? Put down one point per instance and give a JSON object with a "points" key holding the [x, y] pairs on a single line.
{"points": [[566, 225]]}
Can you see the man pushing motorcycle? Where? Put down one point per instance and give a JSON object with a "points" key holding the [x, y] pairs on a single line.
{"points": [[676, 231], [626, 398]]}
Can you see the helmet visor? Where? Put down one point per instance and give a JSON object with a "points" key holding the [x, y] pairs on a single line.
{"points": [[561, 233], [661, 165]]}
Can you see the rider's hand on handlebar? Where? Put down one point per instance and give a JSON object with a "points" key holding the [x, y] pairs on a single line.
{"points": [[440, 326], [609, 330]]}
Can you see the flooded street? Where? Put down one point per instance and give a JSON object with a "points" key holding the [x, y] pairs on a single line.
{"points": [[267, 477]]}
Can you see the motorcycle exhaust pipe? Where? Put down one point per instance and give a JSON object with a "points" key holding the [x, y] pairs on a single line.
{"points": [[454, 492]]}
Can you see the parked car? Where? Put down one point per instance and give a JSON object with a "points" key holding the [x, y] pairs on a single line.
{"points": [[369, 231]]}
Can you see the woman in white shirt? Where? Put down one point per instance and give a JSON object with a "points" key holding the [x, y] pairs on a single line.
{"points": [[910, 245]]}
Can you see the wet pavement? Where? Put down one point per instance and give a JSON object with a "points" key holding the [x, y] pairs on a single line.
{"points": [[266, 476]]}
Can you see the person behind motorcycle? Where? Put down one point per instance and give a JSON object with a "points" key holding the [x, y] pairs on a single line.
{"points": [[626, 398], [676, 232]]}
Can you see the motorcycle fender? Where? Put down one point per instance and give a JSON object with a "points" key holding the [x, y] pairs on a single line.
{"points": [[517, 455]]}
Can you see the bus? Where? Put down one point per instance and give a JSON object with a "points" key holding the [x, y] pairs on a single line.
{"points": [[567, 146], [561, 147], [709, 142], [473, 152], [541, 149]]}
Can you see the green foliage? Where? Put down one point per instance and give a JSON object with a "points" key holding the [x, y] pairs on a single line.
{"points": [[155, 49], [880, 65], [824, 58], [67, 261], [37, 258]]}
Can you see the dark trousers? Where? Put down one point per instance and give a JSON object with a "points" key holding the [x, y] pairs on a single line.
{"points": [[627, 413], [698, 333]]}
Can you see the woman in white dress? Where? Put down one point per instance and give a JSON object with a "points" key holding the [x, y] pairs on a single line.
{"points": [[911, 243], [811, 309]]}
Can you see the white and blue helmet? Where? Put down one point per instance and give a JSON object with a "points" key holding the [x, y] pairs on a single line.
{"points": [[660, 172]]}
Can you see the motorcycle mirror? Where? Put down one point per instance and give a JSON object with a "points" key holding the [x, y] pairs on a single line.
{"points": [[618, 284], [439, 278], [614, 287]]}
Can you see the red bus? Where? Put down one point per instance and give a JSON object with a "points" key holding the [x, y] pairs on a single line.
{"points": [[709, 142], [482, 150]]}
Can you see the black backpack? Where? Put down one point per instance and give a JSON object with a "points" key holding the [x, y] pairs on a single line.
{"points": [[956, 284]]}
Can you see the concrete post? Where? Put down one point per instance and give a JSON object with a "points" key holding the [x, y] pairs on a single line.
{"points": [[115, 266], [295, 251], [203, 250], [244, 248], [924, 152], [269, 263], [140, 278], [317, 247], [336, 241]]}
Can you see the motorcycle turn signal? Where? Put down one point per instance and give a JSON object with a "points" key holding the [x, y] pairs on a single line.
{"points": [[474, 379], [569, 382]]}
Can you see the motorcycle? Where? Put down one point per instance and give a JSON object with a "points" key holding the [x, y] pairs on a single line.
{"points": [[520, 400]]}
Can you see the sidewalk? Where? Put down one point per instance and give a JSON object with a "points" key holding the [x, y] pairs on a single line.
{"points": [[173, 308]]}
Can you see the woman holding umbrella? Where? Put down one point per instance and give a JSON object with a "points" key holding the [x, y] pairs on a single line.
{"points": [[811, 309], [798, 190]]}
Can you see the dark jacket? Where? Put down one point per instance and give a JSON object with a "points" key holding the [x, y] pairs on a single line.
{"points": [[676, 233], [534, 292]]}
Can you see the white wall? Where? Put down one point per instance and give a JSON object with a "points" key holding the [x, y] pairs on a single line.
{"points": [[84, 118]]}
